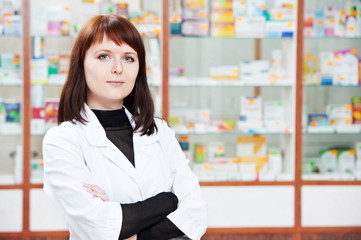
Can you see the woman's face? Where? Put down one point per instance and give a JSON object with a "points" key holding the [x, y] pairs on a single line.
{"points": [[110, 73]]}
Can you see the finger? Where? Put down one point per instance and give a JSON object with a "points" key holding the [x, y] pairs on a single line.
{"points": [[97, 194], [91, 186], [94, 187], [98, 189]]}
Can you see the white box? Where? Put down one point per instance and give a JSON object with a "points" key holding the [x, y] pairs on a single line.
{"points": [[250, 26], [251, 113], [274, 114], [339, 114], [256, 71]]}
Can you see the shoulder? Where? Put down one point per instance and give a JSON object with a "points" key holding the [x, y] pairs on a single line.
{"points": [[162, 126], [66, 131]]}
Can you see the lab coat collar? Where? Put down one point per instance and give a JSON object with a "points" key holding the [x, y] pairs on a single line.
{"points": [[96, 136], [95, 132]]}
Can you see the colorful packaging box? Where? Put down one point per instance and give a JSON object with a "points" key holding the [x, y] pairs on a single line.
{"points": [[329, 24], [327, 67], [195, 28], [222, 29], [195, 9], [200, 153], [318, 23], [346, 68], [278, 29], [274, 114], [250, 26], [51, 111], [308, 23], [256, 7], [339, 114], [328, 159], [346, 161], [275, 161], [221, 4], [224, 72], [221, 16], [216, 150], [252, 150], [251, 113], [12, 110], [239, 8], [318, 120], [356, 110]]}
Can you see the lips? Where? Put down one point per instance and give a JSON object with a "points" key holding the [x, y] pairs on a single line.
{"points": [[115, 83]]}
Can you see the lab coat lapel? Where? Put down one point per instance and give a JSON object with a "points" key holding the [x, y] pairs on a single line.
{"points": [[96, 137]]}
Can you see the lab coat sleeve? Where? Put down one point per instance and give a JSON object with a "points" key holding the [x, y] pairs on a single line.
{"points": [[191, 215], [65, 172]]}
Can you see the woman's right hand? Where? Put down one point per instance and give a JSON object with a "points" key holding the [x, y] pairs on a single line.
{"points": [[96, 192]]}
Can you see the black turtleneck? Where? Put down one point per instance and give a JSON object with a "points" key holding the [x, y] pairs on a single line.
{"points": [[148, 218], [118, 130]]}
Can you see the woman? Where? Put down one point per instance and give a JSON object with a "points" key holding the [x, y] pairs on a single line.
{"points": [[112, 168]]}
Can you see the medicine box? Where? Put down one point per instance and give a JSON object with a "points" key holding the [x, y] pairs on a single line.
{"points": [[224, 72], [346, 161], [318, 120], [356, 110], [346, 68], [250, 113], [339, 114], [222, 16], [250, 26], [274, 114], [222, 4], [222, 29], [255, 71], [239, 8], [195, 28], [251, 146], [328, 159], [327, 68]]}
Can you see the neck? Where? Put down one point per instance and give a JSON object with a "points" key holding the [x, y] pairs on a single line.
{"points": [[105, 105]]}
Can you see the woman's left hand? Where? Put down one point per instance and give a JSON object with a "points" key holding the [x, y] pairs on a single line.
{"points": [[96, 192]]}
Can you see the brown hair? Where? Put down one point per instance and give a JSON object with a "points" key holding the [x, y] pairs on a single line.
{"points": [[74, 94]]}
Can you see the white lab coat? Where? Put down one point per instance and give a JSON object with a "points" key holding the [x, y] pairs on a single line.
{"points": [[76, 153]]}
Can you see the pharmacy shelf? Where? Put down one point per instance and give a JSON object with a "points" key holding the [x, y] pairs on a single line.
{"points": [[346, 129], [239, 132], [10, 38], [330, 182], [38, 185], [333, 133], [208, 82], [11, 186], [244, 37], [247, 183], [332, 37], [10, 134], [308, 85], [13, 84]]}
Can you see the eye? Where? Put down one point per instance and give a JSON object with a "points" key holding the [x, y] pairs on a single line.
{"points": [[129, 59], [103, 57]]}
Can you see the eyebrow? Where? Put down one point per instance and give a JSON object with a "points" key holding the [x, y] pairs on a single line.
{"points": [[109, 51]]}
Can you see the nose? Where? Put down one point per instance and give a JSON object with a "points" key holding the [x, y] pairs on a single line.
{"points": [[117, 67]]}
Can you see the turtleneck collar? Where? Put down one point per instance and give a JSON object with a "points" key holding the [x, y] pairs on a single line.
{"points": [[112, 119]]}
